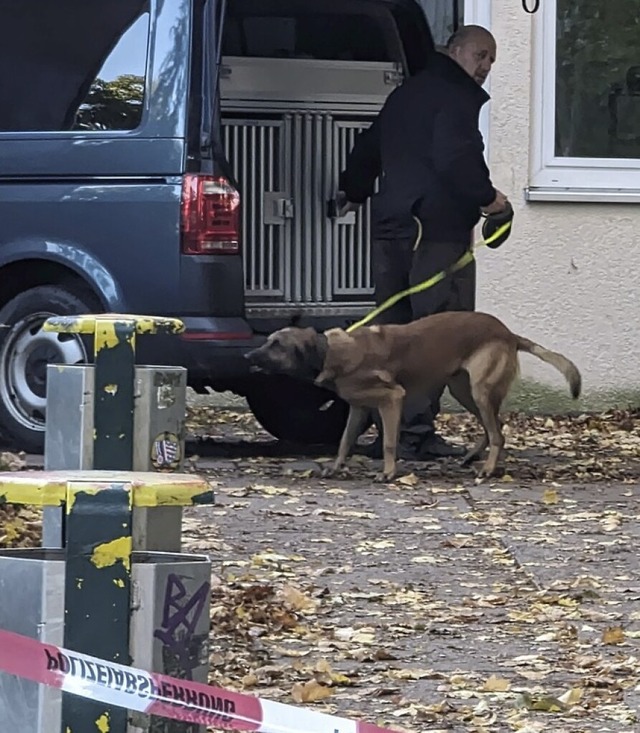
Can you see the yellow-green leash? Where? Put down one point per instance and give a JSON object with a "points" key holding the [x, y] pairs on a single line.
{"points": [[466, 258]]}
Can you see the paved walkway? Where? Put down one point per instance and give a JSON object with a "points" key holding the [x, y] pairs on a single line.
{"points": [[431, 604], [426, 605]]}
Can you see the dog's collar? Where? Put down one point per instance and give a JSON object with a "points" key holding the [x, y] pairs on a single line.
{"points": [[322, 345]]}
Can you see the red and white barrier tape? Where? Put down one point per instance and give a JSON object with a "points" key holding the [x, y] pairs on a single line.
{"points": [[158, 694]]}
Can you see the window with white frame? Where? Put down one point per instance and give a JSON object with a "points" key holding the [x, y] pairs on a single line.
{"points": [[586, 106]]}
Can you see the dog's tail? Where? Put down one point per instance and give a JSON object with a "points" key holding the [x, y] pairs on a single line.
{"points": [[566, 367]]}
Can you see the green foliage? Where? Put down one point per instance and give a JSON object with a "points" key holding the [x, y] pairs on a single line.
{"points": [[112, 105], [597, 42]]}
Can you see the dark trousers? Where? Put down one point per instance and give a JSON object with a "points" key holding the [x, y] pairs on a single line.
{"points": [[396, 266]]}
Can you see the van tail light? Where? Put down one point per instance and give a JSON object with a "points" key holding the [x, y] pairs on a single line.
{"points": [[210, 216]]}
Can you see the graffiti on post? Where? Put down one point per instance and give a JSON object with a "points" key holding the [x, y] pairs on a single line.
{"points": [[183, 649], [181, 613]]}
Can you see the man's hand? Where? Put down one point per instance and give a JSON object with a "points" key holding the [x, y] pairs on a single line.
{"points": [[348, 208], [498, 204], [343, 207]]}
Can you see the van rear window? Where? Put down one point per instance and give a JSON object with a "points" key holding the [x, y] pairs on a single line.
{"points": [[351, 31], [72, 64]]}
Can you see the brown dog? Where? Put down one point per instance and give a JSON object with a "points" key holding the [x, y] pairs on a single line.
{"points": [[474, 354]]}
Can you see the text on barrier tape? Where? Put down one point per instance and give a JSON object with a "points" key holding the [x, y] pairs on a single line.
{"points": [[158, 694]]}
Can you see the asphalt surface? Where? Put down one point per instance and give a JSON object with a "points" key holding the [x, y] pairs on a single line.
{"points": [[433, 603]]}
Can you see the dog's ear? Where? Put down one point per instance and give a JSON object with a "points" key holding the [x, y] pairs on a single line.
{"points": [[325, 378], [344, 354], [300, 347], [338, 333], [306, 347]]}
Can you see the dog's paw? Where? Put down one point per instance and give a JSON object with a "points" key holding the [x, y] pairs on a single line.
{"points": [[384, 478], [486, 472], [330, 472]]}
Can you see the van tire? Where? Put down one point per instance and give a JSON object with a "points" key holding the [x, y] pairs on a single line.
{"points": [[25, 350], [289, 409]]}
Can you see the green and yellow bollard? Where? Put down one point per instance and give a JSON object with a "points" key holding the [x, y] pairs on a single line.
{"points": [[114, 345], [98, 580], [98, 565]]}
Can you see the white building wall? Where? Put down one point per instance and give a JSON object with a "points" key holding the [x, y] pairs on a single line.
{"points": [[569, 276]]}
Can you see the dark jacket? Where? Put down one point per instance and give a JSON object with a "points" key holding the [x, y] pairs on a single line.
{"points": [[428, 151]]}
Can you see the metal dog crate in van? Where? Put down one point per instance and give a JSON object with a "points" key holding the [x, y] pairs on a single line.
{"points": [[163, 585], [288, 126]]}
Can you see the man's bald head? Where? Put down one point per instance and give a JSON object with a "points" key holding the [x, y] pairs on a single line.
{"points": [[474, 48]]}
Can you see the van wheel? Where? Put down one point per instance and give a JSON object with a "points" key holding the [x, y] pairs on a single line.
{"points": [[289, 409], [25, 351]]}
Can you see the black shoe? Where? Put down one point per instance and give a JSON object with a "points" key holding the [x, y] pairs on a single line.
{"points": [[435, 447], [432, 448]]}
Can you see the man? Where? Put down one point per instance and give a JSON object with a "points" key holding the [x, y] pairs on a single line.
{"points": [[426, 148]]}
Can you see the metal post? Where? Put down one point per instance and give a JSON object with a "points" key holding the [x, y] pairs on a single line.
{"points": [[99, 563], [97, 590], [97, 593], [115, 357], [105, 432], [98, 531]]}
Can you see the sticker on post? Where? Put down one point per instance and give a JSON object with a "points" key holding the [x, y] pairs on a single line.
{"points": [[166, 452]]}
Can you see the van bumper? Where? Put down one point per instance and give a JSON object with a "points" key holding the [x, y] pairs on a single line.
{"points": [[212, 349]]}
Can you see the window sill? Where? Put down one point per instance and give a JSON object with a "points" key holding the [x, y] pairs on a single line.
{"points": [[583, 195]]}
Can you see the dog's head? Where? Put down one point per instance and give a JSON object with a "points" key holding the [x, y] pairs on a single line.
{"points": [[296, 352]]}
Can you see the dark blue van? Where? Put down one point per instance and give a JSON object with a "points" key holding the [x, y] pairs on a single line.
{"points": [[176, 157]]}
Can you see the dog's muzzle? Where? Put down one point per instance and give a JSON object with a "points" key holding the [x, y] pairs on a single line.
{"points": [[253, 357]]}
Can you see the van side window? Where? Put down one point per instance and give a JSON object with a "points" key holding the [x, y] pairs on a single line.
{"points": [[72, 64], [115, 98], [308, 30]]}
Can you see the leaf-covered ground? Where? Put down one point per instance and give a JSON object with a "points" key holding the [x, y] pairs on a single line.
{"points": [[430, 604], [433, 603], [588, 447], [19, 526]]}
